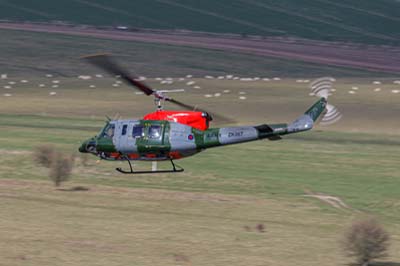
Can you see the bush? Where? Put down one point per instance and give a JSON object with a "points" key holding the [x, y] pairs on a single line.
{"points": [[59, 164], [43, 155], [366, 240], [61, 168], [260, 228]]}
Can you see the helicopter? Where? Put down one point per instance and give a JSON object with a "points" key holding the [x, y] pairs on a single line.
{"points": [[166, 135]]}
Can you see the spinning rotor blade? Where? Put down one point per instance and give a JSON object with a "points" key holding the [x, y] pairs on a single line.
{"points": [[104, 62], [331, 116], [323, 88]]}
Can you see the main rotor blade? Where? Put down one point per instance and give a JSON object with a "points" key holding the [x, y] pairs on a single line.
{"points": [[104, 62], [217, 117]]}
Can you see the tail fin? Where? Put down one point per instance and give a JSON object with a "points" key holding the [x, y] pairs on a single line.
{"points": [[306, 121], [317, 109]]}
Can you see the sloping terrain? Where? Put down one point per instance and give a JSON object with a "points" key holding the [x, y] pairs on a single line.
{"points": [[25, 53], [358, 21], [251, 204]]}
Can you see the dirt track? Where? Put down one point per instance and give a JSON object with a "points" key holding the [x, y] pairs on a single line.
{"points": [[373, 58]]}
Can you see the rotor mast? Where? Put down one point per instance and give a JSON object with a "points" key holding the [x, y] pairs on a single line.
{"points": [[159, 100]]}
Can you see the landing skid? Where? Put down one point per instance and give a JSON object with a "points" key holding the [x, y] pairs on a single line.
{"points": [[175, 169]]}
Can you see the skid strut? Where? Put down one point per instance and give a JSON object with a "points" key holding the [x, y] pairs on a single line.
{"points": [[175, 169]]}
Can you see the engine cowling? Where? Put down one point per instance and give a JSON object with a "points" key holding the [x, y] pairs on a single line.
{"points": [[198, 120]]}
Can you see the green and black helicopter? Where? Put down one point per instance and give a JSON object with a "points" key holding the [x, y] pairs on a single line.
{"points": [[171, 135]]}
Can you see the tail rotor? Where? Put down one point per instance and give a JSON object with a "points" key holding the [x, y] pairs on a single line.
{"points": [[322, 87]]}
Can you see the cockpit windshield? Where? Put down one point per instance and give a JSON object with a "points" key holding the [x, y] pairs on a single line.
{"points": [[154, 132], [108, 131]]}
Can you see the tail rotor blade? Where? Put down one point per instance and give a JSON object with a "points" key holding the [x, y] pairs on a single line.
{"points": [[332, 115], [322, 87]]}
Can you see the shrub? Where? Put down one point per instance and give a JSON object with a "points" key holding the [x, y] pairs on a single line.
{"points": [[260, 228], [43, 155], [61, 168], [366, 240]]}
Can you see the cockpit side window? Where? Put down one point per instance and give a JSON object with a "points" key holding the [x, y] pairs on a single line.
{"points": [[154, 132], [124, 128], [109, 131], [137, 131]]}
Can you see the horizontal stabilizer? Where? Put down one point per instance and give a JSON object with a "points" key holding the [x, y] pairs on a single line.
{"points": [[275, 137], [264, 129]]}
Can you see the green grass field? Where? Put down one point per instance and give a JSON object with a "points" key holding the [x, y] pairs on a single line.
{"points": [[209, 214], [360, 21]]}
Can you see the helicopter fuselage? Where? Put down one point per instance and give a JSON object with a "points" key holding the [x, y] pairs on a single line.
{"points": [[157, 140]]}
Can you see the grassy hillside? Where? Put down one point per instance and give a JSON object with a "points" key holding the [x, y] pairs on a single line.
{"points": [[209, 214], [360, 21], [26, 54]]}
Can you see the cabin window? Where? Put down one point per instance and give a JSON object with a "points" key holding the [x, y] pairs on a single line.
{"points": [[154, 132], [124, 128], [138, 131], [109, 131]]}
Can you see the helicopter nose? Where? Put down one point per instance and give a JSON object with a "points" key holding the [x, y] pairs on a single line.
{"points": [[88, 146], [82, 148]]}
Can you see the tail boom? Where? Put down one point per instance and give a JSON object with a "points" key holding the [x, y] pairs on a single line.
{"points": [[231, 135]]}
